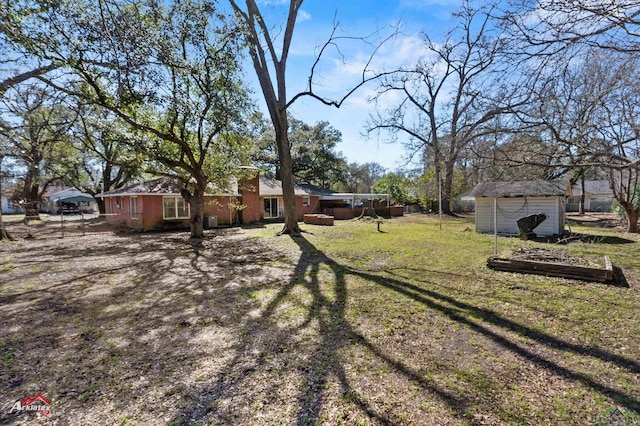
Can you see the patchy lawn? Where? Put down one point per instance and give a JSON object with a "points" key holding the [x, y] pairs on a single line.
{"points": [[344, 325]]}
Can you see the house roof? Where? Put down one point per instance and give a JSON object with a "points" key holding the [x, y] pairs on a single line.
{"points": [[70, 194], [518, 189], [592, 187], [465, 196], [273, 187], [165, 186], [170, 186]]}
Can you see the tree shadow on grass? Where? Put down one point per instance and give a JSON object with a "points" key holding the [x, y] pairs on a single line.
{"points": [[439, 302], [324, 364], [326, 313], [114, 329]]}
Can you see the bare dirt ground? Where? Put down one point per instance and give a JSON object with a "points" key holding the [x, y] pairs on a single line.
{"points": [[110, 326]]}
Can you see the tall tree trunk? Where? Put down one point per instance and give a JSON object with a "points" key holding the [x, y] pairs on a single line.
{"points": [[447, 189], [582, 196], [4, 235], [632, 217], [286, 176], [30, 198], [196, 204], [101, 206]]}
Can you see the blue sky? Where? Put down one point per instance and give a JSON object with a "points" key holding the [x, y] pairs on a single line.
{"points": [[335, 76]]}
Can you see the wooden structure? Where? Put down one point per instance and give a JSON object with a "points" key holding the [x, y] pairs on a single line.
{"points": [[318, 219], [575, 272]]}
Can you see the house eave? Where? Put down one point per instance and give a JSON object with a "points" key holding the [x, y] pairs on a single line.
{"points": [[156, 194]]}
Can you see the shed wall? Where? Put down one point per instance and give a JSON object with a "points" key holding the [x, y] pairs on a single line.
{"points": [[512, 209]]}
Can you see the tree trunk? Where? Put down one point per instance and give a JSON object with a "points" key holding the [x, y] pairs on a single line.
{"points": [[4, 235], [582, 196], [286, 176], [101, 206], [632, 218], [31, 206], [196, 205], [447, 189]]}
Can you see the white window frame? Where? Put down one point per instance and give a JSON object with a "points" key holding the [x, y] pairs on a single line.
{"points": [[306, 201], [176, 199], [133, 210]]}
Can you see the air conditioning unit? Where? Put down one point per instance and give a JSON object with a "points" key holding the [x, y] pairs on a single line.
{"points": [[210, 222]]}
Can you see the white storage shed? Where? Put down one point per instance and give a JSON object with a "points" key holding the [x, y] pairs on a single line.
{"points": [[504, 203]]}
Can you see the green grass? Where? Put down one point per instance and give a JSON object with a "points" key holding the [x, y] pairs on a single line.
{"points": [[569, 347]]}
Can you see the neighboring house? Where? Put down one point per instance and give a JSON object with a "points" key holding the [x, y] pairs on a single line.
{"points": [[68, 201], [157, 204], [506, 202], [8, 205], [598, 196], [463, 202]]}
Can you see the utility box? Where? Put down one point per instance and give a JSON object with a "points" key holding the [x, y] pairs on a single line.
{"points": [[210, 222]]}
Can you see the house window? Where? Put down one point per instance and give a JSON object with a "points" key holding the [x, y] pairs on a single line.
{"points": [[306, 201], [120, 202], [270, 208], [175, 208], [134, 207]]}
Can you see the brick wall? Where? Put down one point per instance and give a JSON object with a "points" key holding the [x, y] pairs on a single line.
{"points": [[249, 190]]}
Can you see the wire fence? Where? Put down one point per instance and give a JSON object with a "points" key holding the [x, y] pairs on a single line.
{"points": [[56, 226]]}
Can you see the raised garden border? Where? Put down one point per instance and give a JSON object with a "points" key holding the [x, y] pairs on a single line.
{"points": [[562, 270]]}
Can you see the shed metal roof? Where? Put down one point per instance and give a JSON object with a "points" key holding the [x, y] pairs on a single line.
{"points": [[519, 189]]}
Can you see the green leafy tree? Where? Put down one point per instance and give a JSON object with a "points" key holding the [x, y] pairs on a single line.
{"points": [[313, 153], [398, 186], [36, 127], [360, 178], [107, 152], [170, 71]]}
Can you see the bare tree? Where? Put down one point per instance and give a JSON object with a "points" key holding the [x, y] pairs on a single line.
{"points": [[586, 116], [270, 64], [447, 99], [548, 27]]}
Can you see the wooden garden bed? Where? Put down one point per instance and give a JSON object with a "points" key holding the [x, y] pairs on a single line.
{"points": [[552, 269]]}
